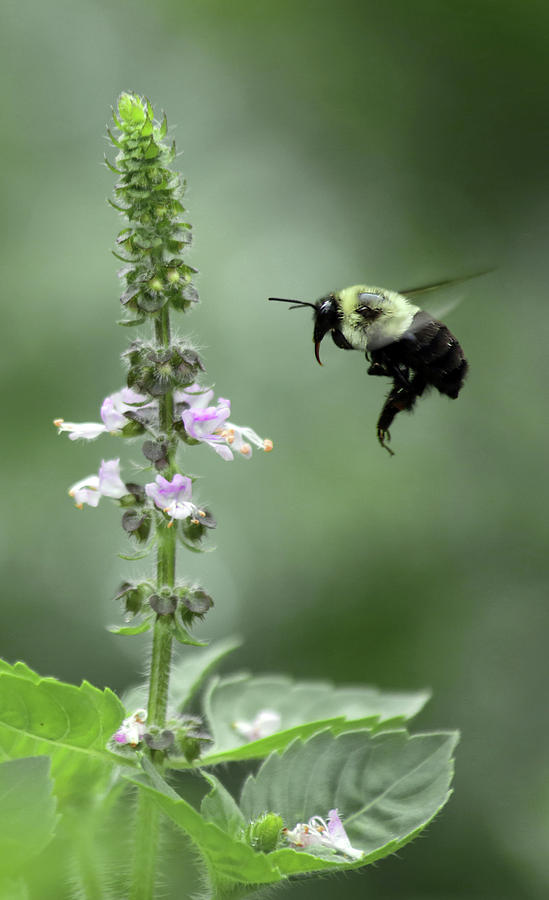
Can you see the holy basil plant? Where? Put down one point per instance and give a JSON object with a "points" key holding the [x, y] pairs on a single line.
{"points": [[89, 782]]}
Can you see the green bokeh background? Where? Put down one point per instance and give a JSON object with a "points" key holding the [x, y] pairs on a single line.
{"points": [[325, 144]]}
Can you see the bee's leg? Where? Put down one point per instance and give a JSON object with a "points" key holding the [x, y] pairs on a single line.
{"points": [[383, 366], [340, 340], [391, 407], [399, 373], [377, 369], [399, 399]]}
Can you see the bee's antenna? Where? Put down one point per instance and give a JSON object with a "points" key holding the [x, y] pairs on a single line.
{"points": [[296, 303]]}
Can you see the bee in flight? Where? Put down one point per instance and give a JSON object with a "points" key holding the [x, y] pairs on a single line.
{"points": [[400, 341]]}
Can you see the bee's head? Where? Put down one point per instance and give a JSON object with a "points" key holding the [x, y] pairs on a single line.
{"points": [[327, 316]]}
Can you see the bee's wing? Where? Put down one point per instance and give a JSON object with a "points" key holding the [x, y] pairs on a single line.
{"points": [[446, 296], [448, 293], [410, 292]]}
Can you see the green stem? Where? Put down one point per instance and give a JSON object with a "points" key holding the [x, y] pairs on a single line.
{"points": [[165, 569], [162, 327], [162, 637], [147, 825], [90, 882], [165, 406], [146, 848], [148, 815]]}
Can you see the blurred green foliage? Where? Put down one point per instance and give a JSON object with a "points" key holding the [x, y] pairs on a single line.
{"points": [[325, 144]]}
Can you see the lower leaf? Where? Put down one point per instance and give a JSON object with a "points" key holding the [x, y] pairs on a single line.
{"points": [[230, 861]]}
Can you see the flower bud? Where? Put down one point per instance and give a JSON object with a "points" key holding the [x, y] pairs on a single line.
{"points": [[263, 834], [190, 737], [131, 109]]}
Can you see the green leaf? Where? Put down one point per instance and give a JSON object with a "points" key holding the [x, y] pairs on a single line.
{"points": [[228, 858], [13, 889], [194, 548], [182, 634], [219, 807], [135, 556], [131, 629], [72, 725], [152, 150], [129, 323], [114, 140], [20, 669], [27, 811], [110, 166], [121, 209], [387, 788], [188, 674], [305, 708]]}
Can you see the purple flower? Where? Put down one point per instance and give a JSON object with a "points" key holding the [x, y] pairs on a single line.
{"points": [[209, 425], [204, 423], [106, 484], [112, 413], [173, 497], [194, 396], [318, 833], [132, 729], [265, 723]]}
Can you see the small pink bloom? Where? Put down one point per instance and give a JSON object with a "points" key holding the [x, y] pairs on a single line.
{"points": [[106, 484], [329, 835], [173, 497], [112, 413], [132, 729]]}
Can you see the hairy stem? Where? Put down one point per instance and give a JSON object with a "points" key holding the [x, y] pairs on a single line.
{"points": [[90, 883], [148, 814], [162, 638], [146, 848]]}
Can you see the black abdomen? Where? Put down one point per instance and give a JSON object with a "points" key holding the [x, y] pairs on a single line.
{"points": [[430, 349]]}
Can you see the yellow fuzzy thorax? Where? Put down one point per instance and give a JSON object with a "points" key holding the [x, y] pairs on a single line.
{"points": [[393, 302], [397, 316]]}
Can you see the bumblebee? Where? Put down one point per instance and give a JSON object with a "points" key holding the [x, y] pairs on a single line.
{"points": [[400, 341]]}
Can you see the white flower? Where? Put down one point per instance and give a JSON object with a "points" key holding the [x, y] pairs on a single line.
{"points": [[204, 423], [195, 396], [106, 484], [112, 413], [240, 439], [173, 497], [86, 430], [266, 722], [208, 424], [132, 729], [318, 833]]}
